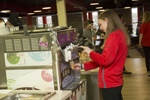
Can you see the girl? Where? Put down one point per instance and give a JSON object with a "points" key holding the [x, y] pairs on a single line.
{"points": [[112, 59], [144, 39]]}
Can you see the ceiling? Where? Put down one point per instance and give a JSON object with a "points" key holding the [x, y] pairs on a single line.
{"points": [[107, 4], [52, 2], [30, 2]]}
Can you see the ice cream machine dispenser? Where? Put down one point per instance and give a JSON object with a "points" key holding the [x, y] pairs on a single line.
{"points": [[40, 60]]}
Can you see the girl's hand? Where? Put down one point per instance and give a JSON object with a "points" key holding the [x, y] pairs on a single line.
{"points": [[86, 49], [77, 66]]}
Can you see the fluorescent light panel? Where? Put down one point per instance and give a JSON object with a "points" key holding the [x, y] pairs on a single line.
{"points": [[99, 7], [94, 3], [46, 8], [126, 7], [5, 11], [30, 13], [37, 11], [102, 10]]}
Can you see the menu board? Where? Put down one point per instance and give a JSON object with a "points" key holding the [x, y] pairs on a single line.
{"points": [[28, 58]]}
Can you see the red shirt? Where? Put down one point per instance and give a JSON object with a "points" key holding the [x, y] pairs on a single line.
{"points": [[111, 61], [145, 30]]}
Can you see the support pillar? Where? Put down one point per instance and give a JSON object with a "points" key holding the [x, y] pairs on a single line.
{"points": [[84, 15], [90, 15], [44, 21], [61, 12], [29, 19]]}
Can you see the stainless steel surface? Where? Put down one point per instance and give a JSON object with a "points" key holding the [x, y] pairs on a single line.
{"points": [[41, 30], [74, 85], [3, 82], [28, 67], [92, 84], [31, 31], [77, 73], [58, 71], [28, 95]]}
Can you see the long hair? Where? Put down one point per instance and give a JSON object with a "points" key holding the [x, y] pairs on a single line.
{"points": [[146, 17], [113, 23]]}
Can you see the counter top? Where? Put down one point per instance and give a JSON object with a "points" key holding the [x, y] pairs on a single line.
{"points": [[94, 71], [40, 30], [60, 95], [2, 95]]}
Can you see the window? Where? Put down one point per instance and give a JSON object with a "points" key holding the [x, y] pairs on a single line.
{"points": [[95, 19], [87, 15], [39, 22], [5, 19], [49, 21], [134, 20]]}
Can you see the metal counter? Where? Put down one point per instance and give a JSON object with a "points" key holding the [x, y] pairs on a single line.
{"points": [[35, 95], [92, 83], [78, 93]]}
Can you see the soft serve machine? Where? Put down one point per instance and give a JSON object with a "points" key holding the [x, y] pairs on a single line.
{"points": [[41, 59]]}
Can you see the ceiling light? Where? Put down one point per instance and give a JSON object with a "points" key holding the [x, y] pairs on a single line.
{"points": [[102, 10], [46, 8], [36, 11], [135, 0], [19, 17], [99, 7], [94, 3], [5, 10], [31, 13], [126, 7]]}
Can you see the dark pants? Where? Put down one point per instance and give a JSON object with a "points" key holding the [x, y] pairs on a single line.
{"points": [[112, 93], [147, 57]]}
